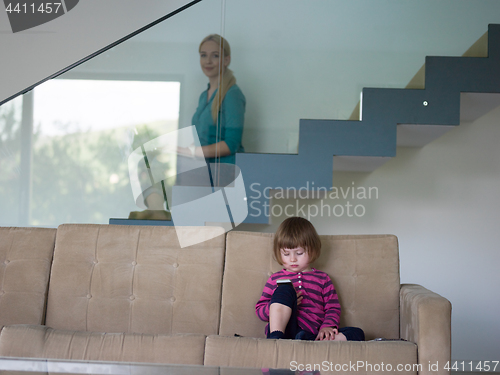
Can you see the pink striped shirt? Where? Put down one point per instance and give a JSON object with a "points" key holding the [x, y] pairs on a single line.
{"points": [[320, 305]]}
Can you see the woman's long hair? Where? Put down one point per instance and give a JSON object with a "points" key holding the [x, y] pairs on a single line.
{"points": [[227, 79]]}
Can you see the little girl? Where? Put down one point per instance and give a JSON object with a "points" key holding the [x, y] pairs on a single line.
{"points": [[308, 308]]}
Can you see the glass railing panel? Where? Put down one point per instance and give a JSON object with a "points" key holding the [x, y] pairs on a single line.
{"points": [[67, 159], [292, 60], [299, 59]]}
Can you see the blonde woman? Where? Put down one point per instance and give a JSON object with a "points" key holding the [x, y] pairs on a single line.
{"points": [[221, 108]]}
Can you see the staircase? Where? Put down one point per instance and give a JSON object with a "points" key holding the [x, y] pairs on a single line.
{"points": [[446, 90]]}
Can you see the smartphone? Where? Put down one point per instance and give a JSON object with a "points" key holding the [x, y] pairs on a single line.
{"points": [[283, 281]]}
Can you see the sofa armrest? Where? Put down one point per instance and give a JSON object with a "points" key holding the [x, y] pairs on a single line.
{"points": [[425, 319]]}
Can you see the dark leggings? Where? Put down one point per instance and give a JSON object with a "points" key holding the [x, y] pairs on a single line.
{"points": [[285, 294]]}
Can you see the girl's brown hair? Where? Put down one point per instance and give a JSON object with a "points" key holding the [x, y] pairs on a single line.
{"points": [[227, 79], [297, 232]]}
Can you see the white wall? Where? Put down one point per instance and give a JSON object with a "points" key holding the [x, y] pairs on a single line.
{"points": [[299, 61]]}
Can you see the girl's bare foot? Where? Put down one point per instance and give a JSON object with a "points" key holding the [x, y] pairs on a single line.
{"points": [[340, 337]]}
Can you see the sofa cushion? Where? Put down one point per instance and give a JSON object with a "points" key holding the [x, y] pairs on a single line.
{"points": [[44, 342], [363, 268], [323, 356], [25, 258], [134, 279]]}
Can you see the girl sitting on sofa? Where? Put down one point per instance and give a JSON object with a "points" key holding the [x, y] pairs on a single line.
{"points": [[300, 302]]}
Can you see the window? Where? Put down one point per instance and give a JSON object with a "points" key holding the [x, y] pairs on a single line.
{"points": [[82, 134]]}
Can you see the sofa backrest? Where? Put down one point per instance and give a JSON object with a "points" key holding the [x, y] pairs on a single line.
{"points": [[25, 259], [364, 269], [135, 279]]}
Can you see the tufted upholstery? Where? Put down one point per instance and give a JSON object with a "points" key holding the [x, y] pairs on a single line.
{"points": [[131, 293], [44, 342], [134, 279], [364, 270], [25, 258]]}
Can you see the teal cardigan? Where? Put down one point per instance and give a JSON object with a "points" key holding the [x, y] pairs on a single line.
{"points": [[231, 120]]}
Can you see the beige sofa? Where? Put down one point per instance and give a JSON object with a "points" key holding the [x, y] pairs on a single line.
{"points": [[130, 293]]}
